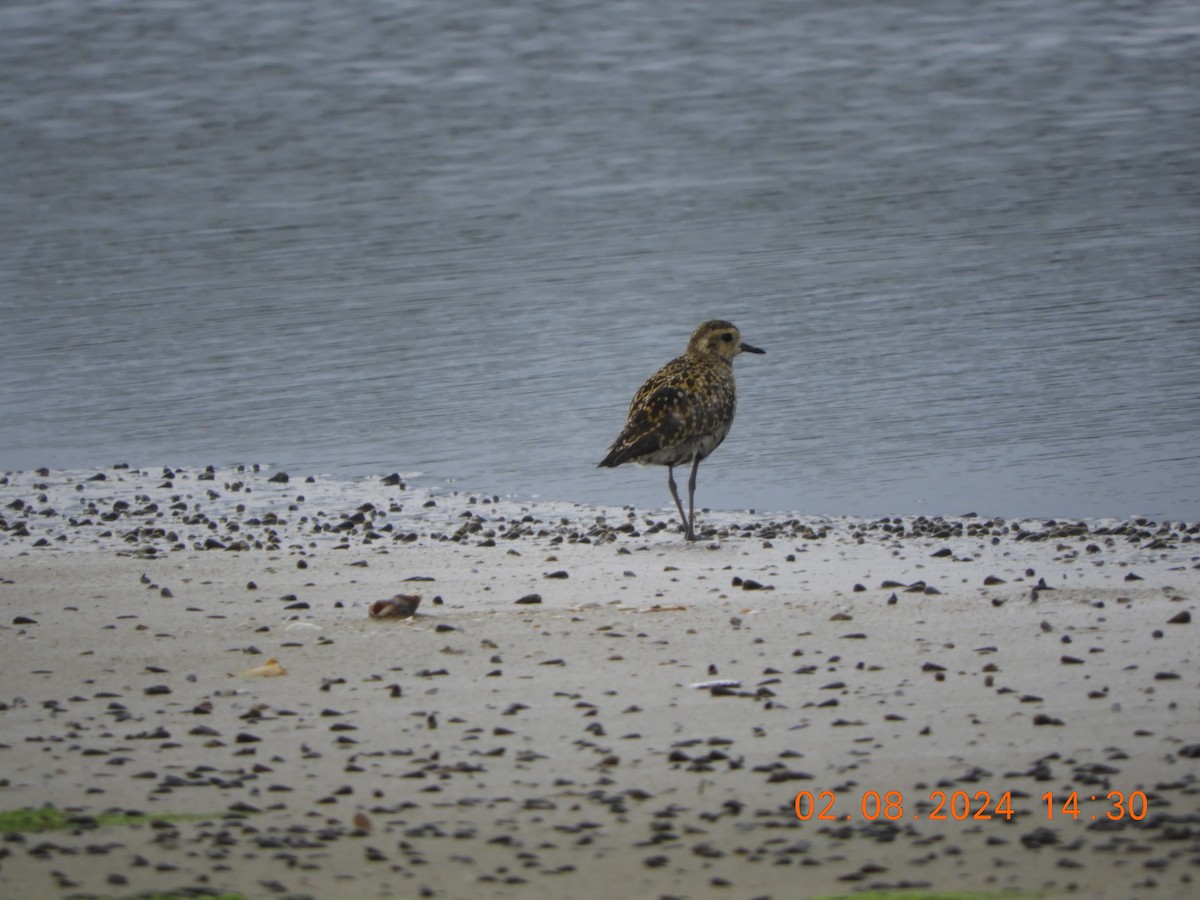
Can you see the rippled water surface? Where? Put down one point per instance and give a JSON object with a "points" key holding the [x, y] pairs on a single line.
{"points": [[453, 238]]}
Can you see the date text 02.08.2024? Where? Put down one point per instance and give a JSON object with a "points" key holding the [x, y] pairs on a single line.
{"points": [[961, 805]]}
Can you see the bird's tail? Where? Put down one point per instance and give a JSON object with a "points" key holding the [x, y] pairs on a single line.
{"points": [[616, 455]]}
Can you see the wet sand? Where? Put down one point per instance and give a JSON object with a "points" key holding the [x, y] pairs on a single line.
{"points": [[584, 705]]}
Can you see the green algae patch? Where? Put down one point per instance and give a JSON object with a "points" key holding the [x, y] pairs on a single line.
{"points": [[51, 818], [940, 895]]}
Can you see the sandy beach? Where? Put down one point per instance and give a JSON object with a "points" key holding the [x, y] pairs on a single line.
{"points": [[583, 705]]}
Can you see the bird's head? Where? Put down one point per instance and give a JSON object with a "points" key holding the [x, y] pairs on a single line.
{"points": [[719, 338]]}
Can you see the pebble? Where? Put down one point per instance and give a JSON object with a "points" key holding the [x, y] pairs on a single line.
{"points": [[399, 606]]}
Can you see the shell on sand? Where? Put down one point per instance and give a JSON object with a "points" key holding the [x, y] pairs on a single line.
{"points": [[269, 669], [401, 606]]}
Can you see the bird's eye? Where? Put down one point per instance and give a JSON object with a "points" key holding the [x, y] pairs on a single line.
{"points": [[727, 337]]}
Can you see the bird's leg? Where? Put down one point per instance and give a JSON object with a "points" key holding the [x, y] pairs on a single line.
{"points": [[687, 523], [691, 530]]}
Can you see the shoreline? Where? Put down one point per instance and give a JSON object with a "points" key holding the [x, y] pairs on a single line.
{"points": [[95, 501], [547, 748]]}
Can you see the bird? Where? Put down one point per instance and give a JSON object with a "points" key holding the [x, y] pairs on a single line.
{"points": [[684, 410]]}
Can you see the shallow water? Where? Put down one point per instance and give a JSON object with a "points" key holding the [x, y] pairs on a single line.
{"points": [[453, 239]]}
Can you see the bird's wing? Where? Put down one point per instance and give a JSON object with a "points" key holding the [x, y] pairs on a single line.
{"points": [[661, 413]]}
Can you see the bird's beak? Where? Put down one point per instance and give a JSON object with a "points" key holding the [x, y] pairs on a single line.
{"points": [[747, 348]]}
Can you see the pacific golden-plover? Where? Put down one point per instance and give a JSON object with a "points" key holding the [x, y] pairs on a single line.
{"points": [[684, 410]]}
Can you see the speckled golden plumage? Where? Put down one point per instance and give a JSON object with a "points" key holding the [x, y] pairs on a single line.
{"points": [[684, 410]]}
